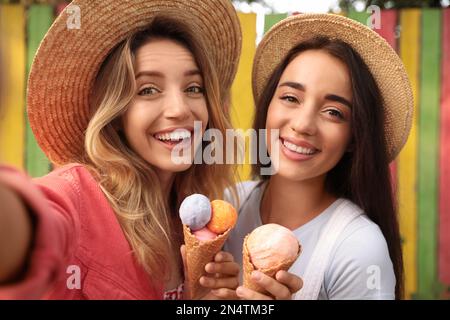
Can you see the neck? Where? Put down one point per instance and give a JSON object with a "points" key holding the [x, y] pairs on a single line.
{"points": [[294, 203], [166, 180]]}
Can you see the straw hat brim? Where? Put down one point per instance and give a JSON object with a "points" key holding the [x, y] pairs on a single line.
{"points": [[382, 61], [67, 61]]}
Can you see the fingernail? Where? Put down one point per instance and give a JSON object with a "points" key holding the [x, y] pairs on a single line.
{"points": [[256, 275], [239, 291], [209, 268], [279, 274]]}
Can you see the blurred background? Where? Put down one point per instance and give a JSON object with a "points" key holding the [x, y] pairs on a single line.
{"points": [[418, 30]]}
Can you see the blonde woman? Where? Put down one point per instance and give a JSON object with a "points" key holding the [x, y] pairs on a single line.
{"points": [[108, 101]]}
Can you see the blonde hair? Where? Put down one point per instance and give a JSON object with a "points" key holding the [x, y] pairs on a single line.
{"points": [[130, 184]]}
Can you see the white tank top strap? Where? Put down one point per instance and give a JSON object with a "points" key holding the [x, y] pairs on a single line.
{"points": [[315, 271]]}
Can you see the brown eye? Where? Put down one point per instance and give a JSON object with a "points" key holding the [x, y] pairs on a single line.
{"points": [[195, 89], [289, 99], [148, 91], [335, 113]]}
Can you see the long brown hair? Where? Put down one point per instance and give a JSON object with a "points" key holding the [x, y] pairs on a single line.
{"points": [[361, 175], [131, 184]]}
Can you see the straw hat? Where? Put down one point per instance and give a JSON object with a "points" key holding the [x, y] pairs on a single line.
{"points": [[384, 64], [68, 59]]}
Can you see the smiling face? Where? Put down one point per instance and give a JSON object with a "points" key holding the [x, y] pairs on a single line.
{"points": [[312, 109], [169, 98]]}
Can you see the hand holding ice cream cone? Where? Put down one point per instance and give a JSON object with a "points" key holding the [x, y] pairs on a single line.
{"points": [[206, 226], [266, 251]]}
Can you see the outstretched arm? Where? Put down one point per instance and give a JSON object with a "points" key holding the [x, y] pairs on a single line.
{"points": [[38, 231], [15, 234]]}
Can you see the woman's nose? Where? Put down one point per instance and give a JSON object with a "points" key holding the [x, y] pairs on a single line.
{"points": [[175, 106], [305, 120]]}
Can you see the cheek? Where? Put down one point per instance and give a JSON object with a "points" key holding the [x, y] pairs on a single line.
{"points": [[137, 120], [276, 119], [273, 117], [270, 124], [199, 111], [204, 115], [337, 140]]}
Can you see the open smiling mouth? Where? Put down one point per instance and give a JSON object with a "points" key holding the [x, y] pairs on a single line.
{"points": [[171, 139], [296, 152]]}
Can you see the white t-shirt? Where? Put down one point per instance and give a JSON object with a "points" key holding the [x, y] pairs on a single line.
{"points": [[359, 265]]}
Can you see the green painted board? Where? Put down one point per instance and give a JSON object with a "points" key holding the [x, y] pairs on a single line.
{"points": [[444, 166], [429, 106], [359, 16], [40, 18], [271, 19]]}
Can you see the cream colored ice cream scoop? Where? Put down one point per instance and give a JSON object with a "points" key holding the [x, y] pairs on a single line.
{"points": [[270, 245]]}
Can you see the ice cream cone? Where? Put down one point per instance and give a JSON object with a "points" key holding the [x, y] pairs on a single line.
{"points": [[248, 268], [198, 254]]}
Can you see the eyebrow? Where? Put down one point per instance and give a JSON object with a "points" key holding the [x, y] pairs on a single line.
{"points": [[158, 74], [339, 99], [331, 97], [294, 85]]}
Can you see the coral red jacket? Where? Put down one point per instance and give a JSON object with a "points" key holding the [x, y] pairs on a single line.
{"points": [[79, 249]]}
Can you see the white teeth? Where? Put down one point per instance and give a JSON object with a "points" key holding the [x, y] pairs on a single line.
{"points": [[176, 135], [298, 149]]}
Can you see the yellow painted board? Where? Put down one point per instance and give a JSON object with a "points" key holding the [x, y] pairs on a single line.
{"points": [[410, 20], [12, 46], [242, 107]]}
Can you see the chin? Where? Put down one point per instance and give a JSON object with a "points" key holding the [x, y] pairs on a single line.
{"points": [[296, 173], [170, 167], [180, 168], [293, 175]]}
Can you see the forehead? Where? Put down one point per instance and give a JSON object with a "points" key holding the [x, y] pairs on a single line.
{"points": [[319, 71], [163, 53]]}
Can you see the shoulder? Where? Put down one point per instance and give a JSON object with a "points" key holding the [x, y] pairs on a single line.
{"points": [[243, 189], [363, 240], [71, 175], [69, 172], [247, 220], [360, 266], [68, 184]]}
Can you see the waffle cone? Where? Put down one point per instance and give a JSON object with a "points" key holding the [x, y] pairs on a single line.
{"points": [[248, 268], [198, 254]]}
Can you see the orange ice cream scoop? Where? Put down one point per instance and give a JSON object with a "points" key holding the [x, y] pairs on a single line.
{"points": [[223, 216]]}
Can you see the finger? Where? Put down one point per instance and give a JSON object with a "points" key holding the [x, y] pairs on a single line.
{"points": [[248, 294], [225, 293], [293, 282], [275, 288], [225, 268], [217, 283], [223, 256]]}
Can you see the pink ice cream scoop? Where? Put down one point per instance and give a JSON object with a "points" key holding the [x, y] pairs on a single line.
{"points": [[270, 245], [204, 234]]}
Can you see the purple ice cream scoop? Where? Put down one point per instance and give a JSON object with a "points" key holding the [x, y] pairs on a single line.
{"points": [[195, 211]]}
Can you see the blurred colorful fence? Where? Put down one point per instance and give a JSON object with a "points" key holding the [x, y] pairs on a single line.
{"points": [[421, 172]]}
